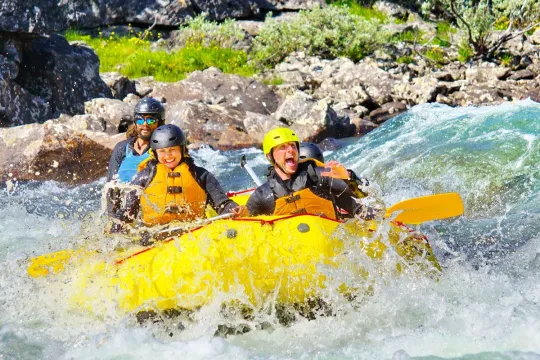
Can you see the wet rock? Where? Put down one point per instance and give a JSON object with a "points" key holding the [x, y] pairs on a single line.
{"points": [[486, 72], [312, 120], [525, 74], [215, 125], [387, 111], [257, 125], [119, 84], [112, 111], [51, 151], [211, 86], [363, 126]]}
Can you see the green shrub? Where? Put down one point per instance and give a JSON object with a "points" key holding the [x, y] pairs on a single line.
{"points": [[465, 51], [410, 36], [329, 33], [201, 32], [405, 60], [366, 12], [436, 55], [506, 59]]}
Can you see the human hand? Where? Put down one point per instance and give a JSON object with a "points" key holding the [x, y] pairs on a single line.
{"points": [[240, 211], [118, 228], [336, 170]]}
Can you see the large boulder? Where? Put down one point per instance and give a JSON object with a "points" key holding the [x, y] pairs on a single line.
{"points": [[53, 151], [313, 120], [215, 125], [114, 113], [42, 77], [211, 86]]}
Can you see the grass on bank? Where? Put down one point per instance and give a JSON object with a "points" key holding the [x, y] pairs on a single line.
{"points": [[133, 57]]}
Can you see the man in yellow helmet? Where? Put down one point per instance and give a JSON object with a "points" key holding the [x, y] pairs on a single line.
{"points": [[296, 187]]}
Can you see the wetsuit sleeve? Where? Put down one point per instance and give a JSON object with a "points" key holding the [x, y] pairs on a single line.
{"points": [[262, 201], [132, 201], [342, 196], [118, 155], [216, 197]]}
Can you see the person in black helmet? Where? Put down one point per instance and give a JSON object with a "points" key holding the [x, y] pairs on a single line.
{"points": [[310, 150], [127, 154], [173, 187], [358, 185]]}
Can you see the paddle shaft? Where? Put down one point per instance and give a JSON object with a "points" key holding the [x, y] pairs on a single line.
{"points": [[243, 163]]}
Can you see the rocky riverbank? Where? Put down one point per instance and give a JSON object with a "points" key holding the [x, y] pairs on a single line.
{"points": [[317, 98]]}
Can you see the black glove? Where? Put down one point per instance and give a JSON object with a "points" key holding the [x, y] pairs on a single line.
{"points": [[118, 228]]}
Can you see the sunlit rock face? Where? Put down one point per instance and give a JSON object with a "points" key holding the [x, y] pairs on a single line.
{"points": [[53, 151]]}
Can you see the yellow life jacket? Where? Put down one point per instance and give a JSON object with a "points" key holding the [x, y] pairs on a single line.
{"points": [[304, 201], [172, 195]]}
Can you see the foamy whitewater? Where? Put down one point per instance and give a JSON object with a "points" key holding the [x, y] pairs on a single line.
{"points": [[485, 305]]}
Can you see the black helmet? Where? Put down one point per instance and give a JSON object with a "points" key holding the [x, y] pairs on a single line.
{"points": [[167, 136], [310, 151], [150, 106]]}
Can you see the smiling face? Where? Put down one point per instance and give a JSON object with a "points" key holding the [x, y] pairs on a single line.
{"points": [[285, 159], [170, 157]]}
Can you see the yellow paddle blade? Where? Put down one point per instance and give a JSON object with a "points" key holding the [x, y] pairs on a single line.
{"points": [[427, 208]]}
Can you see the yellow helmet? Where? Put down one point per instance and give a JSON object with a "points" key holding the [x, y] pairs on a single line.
{"points": [[277, 137]]}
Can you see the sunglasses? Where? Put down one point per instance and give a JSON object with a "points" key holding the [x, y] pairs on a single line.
{"points": [[141, 119]]}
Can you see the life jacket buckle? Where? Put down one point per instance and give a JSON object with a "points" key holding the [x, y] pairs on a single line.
{"points": [[174, 189], [174, 209], [174, 174], [292, 199]]}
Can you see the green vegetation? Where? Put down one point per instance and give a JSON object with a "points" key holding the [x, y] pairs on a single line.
{"points": [[410, 36], [355, 8], [465, 52], [478, 19], [328, 33], [443, 34], [273, 81], [506, 59], [133, 57], [436, 55], [405, 60]]}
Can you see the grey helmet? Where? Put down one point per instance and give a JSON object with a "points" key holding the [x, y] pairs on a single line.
{"points": [[167, 136], [150, 106], [310, 151]]}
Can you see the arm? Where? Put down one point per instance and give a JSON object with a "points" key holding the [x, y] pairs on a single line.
{"points": [[117, 156], [214, 192], [132, 199]]}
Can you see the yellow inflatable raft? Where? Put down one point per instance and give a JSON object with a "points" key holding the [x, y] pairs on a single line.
{"points": [[255, 259]]}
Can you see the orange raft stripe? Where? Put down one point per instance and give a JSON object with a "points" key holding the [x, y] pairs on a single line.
{"points": [[234, 193]]}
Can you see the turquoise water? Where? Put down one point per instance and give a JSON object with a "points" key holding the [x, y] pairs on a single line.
{"points": [[486, 304]]}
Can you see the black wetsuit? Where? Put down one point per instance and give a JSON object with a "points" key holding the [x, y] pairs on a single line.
{"points": [[308, 175], [215, 196]]}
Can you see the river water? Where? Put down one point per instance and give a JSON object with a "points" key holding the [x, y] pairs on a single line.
{"points": [[485, 305]]}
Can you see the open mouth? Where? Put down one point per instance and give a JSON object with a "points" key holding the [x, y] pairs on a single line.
{"points": [[290, 161]]}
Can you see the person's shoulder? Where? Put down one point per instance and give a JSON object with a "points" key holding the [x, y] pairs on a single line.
{"points": [[122, 144]]}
